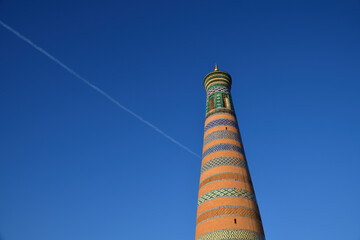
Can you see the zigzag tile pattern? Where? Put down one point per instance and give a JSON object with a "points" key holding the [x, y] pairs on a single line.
{"points": [[222, 134], [223, 147], [218, 88], [232, 234], [226, 192], [220, 122], [224, 161]]}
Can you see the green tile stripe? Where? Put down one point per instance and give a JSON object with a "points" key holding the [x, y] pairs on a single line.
{"points": [[224, 161], [217, 74], [217, 79], [232, 234], [226, 192]]}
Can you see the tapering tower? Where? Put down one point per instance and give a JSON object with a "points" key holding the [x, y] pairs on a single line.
{"points": [[227, 207]]}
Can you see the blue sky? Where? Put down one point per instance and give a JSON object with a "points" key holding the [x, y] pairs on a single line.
{"points": [[75, 166]]}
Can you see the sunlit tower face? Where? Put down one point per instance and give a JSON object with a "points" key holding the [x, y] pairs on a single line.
{"points": [[227, 207]]}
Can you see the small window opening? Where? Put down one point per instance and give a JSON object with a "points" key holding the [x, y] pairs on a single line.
{"points": [[235, 220], [211, 104], [225, 102]]}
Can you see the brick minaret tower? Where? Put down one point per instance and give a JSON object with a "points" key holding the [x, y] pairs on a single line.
{"points": [[227, 207]]}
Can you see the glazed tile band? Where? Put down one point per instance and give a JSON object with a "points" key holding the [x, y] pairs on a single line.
{"points": [[217, 88], [226, 192], [232, 234], [223, 147], [224, 161], [220, 122], [217, 77], [222, 134]]}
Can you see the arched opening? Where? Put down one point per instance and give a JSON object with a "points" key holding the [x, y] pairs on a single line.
{"points": [[211, 104], [225, 102]]}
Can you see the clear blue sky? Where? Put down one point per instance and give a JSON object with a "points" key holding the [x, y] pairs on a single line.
{"points": [[74, 166]]}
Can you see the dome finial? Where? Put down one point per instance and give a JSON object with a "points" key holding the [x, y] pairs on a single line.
{"points": [[216, 68]]}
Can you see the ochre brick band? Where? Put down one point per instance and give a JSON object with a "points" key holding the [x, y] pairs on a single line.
{"points": [[225, 176], [226, 183], [219, 202], [224, 169], [228, 211], [220, 122], [222, 141], [228, 153], [227, 206], [221, 128], [227, 222]]}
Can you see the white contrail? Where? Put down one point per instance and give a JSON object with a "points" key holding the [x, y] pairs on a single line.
{"points": [[99, 90]]}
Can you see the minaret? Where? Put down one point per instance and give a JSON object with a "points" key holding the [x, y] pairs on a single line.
{"points": [[227, 207]]}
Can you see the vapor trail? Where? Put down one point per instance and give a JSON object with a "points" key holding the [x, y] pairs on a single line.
{"points": [[99, 90]]}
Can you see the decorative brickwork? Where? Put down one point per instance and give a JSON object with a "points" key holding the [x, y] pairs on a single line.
{"points": [[223, 147], [226, 192], [220, 122], [228, 211], [227, 206], [217, 88], [225, 176], [224, 161], [224, 134], [232, 234]]}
